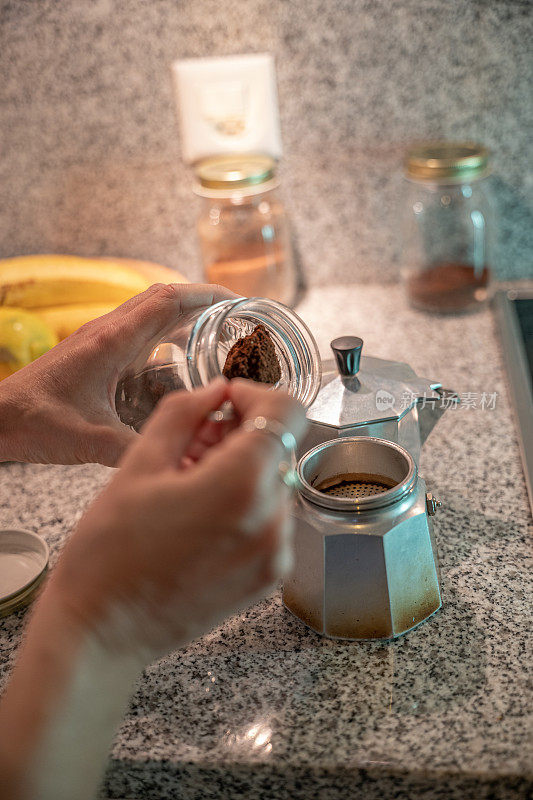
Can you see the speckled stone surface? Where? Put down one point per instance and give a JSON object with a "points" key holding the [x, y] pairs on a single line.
{"points": [[264, 709], [91, 159]]}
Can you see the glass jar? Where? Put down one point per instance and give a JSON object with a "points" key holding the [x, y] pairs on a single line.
{"points": [[243, 229], [195, 352], [447, 227]]}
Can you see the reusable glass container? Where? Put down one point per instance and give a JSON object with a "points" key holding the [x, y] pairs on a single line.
{"points": [[195, 351], [243, 229], [448, 227]]}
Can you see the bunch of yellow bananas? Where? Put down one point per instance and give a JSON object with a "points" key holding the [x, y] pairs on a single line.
{"points": [[51, 296]]}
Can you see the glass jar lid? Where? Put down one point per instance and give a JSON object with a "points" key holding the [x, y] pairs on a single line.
{"points": [[235, 171], [450, 162]]}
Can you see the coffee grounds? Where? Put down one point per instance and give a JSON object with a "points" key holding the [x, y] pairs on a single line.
{"points": [[137, 397], [448, 287], [253, 357]]}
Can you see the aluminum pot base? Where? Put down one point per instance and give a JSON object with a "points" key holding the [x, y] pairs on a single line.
{"points": [[364, 569], [372, 638]]}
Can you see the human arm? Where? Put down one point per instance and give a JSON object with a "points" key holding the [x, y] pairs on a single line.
{"points": [[162, 556]]}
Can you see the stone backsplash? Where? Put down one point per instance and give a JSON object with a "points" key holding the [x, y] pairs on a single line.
{"points": [[90, 153]]}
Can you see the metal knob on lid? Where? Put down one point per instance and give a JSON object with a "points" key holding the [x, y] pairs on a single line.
{"points": [[347, 350]]}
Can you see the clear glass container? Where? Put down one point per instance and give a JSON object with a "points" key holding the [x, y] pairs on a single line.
{"points": [[448, 227], [195, 352], [242, 228]]}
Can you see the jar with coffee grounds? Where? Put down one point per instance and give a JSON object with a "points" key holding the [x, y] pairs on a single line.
{"points": [[254, 338], [447, 227], [243, 229]]}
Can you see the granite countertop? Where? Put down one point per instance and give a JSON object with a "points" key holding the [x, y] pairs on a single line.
{"points": [[264, 709]]}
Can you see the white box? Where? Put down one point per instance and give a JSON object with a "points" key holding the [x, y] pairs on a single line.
{"points": [[227, 105]]}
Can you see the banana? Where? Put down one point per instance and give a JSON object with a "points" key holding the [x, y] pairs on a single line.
{"points": [[155, 273], [28, 282], [52, 280], [68, 291], [23, 338], [64, 320]]}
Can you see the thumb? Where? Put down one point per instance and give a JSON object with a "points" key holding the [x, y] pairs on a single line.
{"points": [[173, 426], [107, 444]]}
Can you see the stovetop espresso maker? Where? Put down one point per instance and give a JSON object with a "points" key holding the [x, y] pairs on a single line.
{"points": [[365, 561]]}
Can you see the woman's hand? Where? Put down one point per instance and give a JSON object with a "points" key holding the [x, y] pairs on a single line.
{"points": [[61, 408], [174, 545], [193, 527]]}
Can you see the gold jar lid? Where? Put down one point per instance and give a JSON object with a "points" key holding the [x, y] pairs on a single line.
{"points": [[449, 162], [235, 171]]}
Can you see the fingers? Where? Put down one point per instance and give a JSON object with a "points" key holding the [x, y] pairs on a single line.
{"points": [[244, 450], [251, 400], [127, 335], [111, 444], [189, 295], [196, 295], [210, 434], [173, 426], [152, 314], [134, 301], [241, 474]]}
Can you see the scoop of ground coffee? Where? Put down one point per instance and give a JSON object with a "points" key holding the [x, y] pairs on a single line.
{"points": [[136, 397], [253, 357]]}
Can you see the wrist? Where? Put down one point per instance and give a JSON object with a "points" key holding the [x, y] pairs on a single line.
{"points": [[90, 608], [57, 636], [14, 429], [124, 622]]}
